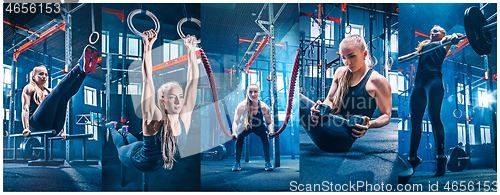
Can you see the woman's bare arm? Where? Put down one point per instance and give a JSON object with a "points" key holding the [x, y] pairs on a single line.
{"points": [[449, 38], [237, 115], [193, 74], [25, 101], [268, 118], [383, 98], [150, 111]]}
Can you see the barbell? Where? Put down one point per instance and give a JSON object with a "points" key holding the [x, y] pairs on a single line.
{"points": [[477, 32]]}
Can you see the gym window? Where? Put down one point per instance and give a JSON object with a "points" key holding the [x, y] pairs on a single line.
{"points": [[252, 79], [394, 42], [134, 46], [329, 31], [460, 88], [462, 134], [105, 43], [356, 29], [482, 97], [6, 76], [103, 96], [131, 89], [405, 124], [485, 134], [393, 80], [426, 126], [90, 96], [171, 50], [7, 114]]}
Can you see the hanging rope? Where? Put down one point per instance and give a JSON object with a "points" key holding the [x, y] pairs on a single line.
{"points": [[215, 98], [291, 90], [93, 26]]}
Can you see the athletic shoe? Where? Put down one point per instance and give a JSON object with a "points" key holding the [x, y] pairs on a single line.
{"points": [[111, 124], [89, 52], [237, 166], [415, 162], [441, 166], [93, 61], [268, 166]]}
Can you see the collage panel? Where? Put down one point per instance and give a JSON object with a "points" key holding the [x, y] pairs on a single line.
{"points": [[348, 104], [307, 97], [152, 105], [51, 97], [252, 50], [447, 97]]}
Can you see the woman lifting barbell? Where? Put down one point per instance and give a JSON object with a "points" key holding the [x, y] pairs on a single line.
{"points": [[253, 111], [166, 125], [429, 80], [356, 90], [43, 108]]}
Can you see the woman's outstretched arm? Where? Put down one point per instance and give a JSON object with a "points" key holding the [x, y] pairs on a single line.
{"points": [[193, 74], [150, 111], [237, 115], [25, 100]]}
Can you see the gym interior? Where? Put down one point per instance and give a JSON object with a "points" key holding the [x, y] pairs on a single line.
{"points": [[468, 111], [378, 24], [242, 52], [48, 39], [123, 80]]}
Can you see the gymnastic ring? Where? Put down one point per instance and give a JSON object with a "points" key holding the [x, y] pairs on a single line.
{"points": [[471, 117], [405, 102], [5, 133], [312, 88], [182, 21], [455, 115], [376, 61], [391, 63], [350, 29], [428, 146], [148, 13], [90, 38]]}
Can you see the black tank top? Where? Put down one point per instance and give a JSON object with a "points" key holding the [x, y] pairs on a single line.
{"points": [[430, 64], [149, 157], [33, 105], [257, 119], [357, 101]]}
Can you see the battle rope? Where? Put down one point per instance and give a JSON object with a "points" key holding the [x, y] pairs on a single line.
{"points": [[291, 91], [211, 80], [215, 98]]}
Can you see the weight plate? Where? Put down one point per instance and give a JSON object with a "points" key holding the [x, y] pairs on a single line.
{"points": [[454, 163], [26, 148], [479, 40]]}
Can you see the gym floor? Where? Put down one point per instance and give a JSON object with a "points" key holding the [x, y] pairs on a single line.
{"points": [[217, 175], [372, 159], [484, 177], [19, 177]]}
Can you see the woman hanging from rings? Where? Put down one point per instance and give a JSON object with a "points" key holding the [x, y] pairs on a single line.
{"points": [[44, 108], [429, 80], [166, 125], [356, 90], [254, 112]]}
